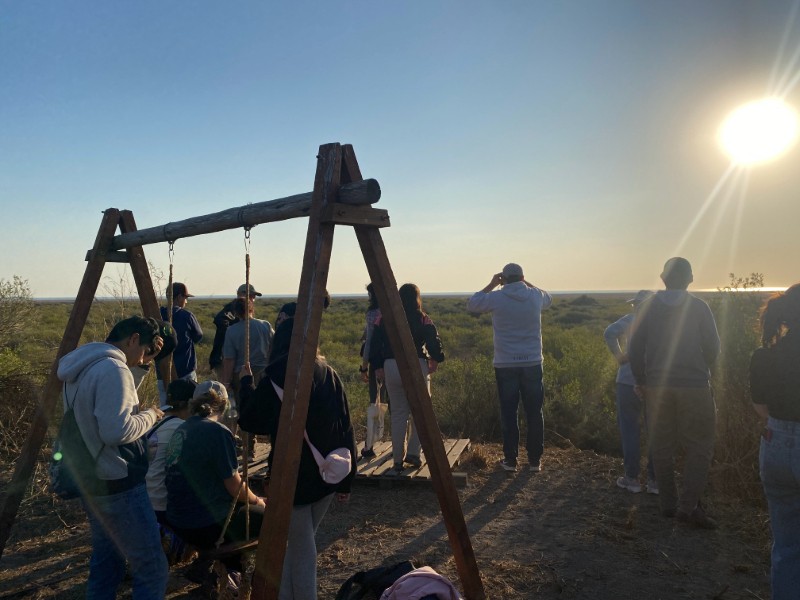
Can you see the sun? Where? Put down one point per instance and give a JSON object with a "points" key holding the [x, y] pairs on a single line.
{"points": [[758, 131]]}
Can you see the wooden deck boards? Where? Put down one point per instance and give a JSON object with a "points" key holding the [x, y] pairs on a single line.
{"points": [[376, 469]]}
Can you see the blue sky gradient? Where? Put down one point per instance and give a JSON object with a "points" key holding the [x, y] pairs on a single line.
{"points": [[575, 138]]}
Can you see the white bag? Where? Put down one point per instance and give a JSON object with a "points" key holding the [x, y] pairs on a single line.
{"points": [[334, 467], [375, 418]]}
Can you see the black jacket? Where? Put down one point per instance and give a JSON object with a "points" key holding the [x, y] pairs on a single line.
{"points": [[328, 424]]}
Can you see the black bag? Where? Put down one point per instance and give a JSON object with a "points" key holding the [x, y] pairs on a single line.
{"points": [[369, 585], [72, 473]]}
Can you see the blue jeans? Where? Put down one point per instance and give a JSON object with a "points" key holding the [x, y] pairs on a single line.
{"points": [[779, 464], [124, 528], [629, 415], [515, 384]]}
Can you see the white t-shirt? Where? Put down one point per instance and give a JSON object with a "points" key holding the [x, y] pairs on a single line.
{"points": [[157, 441]]}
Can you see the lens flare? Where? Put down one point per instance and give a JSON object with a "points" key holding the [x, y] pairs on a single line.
{"points": [[759, 131]]}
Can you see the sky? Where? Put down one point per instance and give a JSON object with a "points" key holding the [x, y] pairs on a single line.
{"points": [[578, 139]]}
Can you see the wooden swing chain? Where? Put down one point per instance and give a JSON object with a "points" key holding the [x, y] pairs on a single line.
{"points": [[246, 435]]}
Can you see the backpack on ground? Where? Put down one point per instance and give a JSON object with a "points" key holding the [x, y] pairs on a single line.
{"points": [[369, 585], [72, 466]]}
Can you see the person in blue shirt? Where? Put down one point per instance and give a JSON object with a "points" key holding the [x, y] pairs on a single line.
{"points": [[188, 331]]}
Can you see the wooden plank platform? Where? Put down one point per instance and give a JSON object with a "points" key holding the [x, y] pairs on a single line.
{"points": [[377, 469]]}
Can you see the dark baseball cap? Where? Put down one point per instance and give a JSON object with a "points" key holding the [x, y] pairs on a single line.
{"points": [[179, 289]]}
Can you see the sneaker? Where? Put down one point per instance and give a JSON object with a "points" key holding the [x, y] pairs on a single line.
{"points": [[630, 484], [395, 471], [652, 487], [414, 461], [697, 518], [507, 465], [367, 453], [535, 467]]}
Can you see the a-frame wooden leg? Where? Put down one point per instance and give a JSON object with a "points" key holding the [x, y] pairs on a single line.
{"points": [[26, 462], [380, 271], [305, 339], [385, 285], [144, 287]]}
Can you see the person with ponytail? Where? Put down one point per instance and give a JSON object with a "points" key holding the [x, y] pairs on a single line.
{"points": [[775, 391], [430, 353], [203, 477]]}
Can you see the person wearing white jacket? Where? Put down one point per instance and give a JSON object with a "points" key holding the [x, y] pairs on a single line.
{"points": [[100, 383], [516, 310]]}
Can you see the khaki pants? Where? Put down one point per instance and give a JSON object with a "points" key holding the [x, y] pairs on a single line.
{"points": [[681, 418]]}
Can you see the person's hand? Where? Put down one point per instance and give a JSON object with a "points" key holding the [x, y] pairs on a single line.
{"points": [[261, 502], [432, 366], [158, 412], [622, 359], [342, 498], [379, 374], [365, 376], [640, 390], [246, 370], [155, 347], [497, 279]]}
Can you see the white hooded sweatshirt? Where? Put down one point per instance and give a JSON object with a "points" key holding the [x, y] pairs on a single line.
{"points": [[517, 319], [102, 390]]}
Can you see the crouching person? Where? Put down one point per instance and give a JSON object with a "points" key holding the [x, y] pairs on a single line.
{"points": [[100, 383], [202, 476]]}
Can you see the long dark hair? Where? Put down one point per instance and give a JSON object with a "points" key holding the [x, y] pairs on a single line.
{"points": [[373, 299], [779, 315], [412, 305]]}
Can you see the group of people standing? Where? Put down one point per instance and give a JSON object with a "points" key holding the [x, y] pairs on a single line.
{"points": [[176, 466], [665, 348]]}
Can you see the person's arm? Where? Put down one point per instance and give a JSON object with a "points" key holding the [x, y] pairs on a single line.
{"points": [[480, 301], [242, 493], [195, 329], [761, 410], [227, 371], [710, 343], [613, 334], [433, 343], [118, 419], [636, 348]]}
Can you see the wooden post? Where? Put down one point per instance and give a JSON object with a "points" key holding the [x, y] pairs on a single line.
{"points": [[299, 372], [393, 315], [26, 462]]}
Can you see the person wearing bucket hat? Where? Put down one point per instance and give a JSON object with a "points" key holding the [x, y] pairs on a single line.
{"points": [[328, 428], [188, 332], [629, 406], [224, 319], [672, 348], [516, 310]]}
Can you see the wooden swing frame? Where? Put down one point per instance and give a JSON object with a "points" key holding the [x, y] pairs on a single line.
{"points": [[340, 197]]}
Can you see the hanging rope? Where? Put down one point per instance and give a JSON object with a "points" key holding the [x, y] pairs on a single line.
{"points": [[169, 308], [245, 484], [246, 436]]}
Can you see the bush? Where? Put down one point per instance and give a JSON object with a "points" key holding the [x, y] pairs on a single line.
{"points": [[736, 453]]}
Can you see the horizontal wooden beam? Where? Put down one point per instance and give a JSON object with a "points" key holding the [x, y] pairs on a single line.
{"points": [[343, 214], [359, 193], [110, 257]]}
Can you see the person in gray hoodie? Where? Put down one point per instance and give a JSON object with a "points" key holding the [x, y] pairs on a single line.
{"points": [[673, 345], [516, 310], [100, 383]]}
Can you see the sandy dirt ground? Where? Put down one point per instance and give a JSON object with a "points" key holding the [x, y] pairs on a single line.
{"points": [[567, 533]]}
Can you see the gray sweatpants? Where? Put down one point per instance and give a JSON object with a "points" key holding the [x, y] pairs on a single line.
{"points": [[299, 577]]}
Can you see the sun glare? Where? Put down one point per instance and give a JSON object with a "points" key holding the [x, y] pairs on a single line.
{"points": [[758, 131]]}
